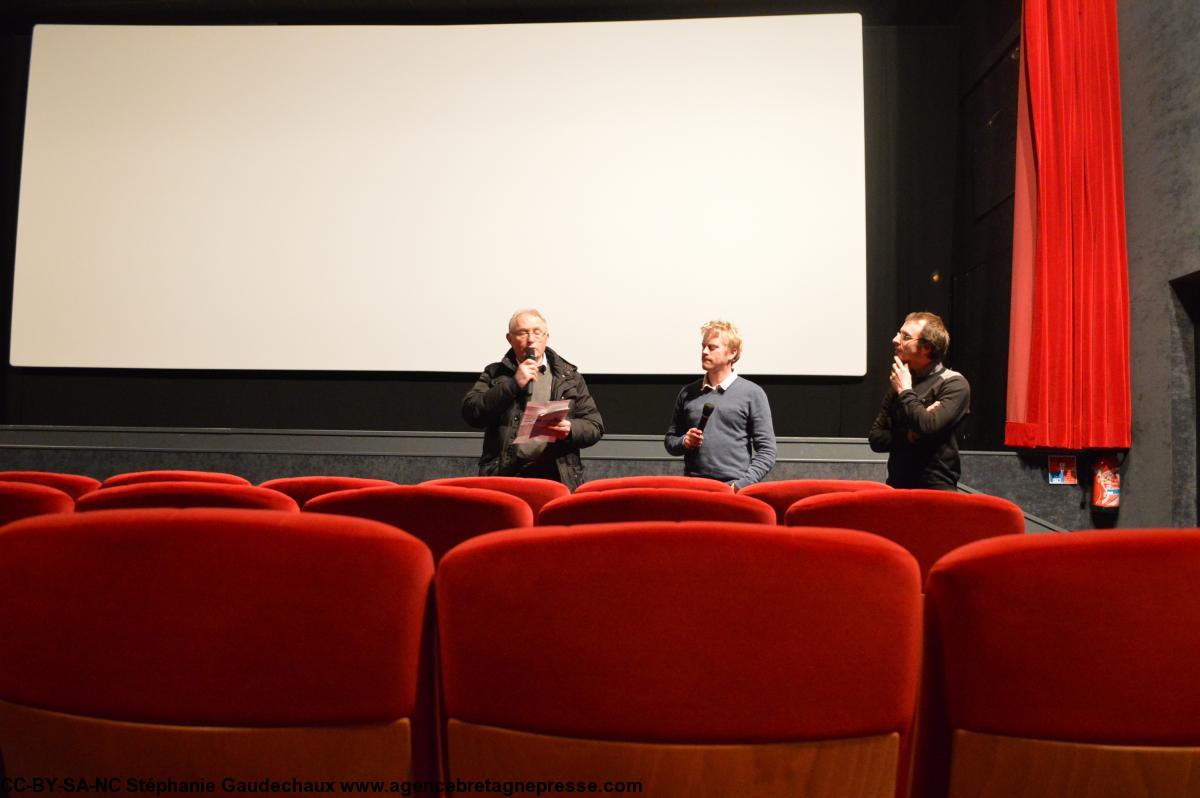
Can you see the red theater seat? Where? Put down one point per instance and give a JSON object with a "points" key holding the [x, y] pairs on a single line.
{"points": [[185, 494], [304, 488], [782, 495], [929, 523], [655, 481], [698, 658], [1070, 663], [654, 504], [136, 477], [535, 492], [24, 500], [74, 485], [205, 644], [440, 516]]}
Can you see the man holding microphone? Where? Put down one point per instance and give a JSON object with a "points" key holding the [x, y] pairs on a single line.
{"points": [[721, 423], [531, 372]]}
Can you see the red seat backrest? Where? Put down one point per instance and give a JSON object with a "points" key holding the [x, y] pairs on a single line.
{"points": [[24, 500], [212, 617], [656, 481], [137, 477], [74, 485], [1087, 636], [691, 632], [654, 504], [783, 494], [535, 492], [929, 523], [185, 494], [440, 516], [304, 488]]}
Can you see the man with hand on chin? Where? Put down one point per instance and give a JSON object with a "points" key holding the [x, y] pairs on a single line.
{"points": [[737, 442], [922, 409], [531, 372]]}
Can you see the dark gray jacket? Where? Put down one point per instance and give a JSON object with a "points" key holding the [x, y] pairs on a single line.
{"points": [[495, 404]]}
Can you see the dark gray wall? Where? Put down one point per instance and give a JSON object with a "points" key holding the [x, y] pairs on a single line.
{"points": [[982, 240], [1160, 96]]}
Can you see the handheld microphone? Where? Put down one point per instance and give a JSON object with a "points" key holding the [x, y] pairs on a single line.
{"points": [[530, 354], [709, 407]]}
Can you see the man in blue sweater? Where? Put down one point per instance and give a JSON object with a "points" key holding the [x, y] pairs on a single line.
{"points": [[737, 444]]}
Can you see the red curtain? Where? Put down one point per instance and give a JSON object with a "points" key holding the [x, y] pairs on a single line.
{"points": [[1068, 369]]}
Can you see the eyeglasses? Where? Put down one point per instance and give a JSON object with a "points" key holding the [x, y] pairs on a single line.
{"points": [[905, 336], [535, 334]]}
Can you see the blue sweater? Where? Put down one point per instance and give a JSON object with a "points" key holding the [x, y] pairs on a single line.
{"points": [[739, 440]]}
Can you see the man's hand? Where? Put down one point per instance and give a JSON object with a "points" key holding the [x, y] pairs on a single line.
{"points": [[901, 377], [693, 439], [528, 370], [561, 430]]}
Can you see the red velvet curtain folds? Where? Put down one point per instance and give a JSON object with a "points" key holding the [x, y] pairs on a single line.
{"points": [[1068, 370]]}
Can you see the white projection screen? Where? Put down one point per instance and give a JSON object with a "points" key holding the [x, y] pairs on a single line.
{"points": [[382, 198]]}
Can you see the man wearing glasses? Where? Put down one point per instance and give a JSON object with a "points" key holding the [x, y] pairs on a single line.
{"points": [[922, 409], [531, 372]]}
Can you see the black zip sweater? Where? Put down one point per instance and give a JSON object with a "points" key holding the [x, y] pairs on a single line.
{"points": [[916, 428]]}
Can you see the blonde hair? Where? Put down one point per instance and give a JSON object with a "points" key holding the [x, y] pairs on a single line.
{"points": [[728, 330], [512, 320]]}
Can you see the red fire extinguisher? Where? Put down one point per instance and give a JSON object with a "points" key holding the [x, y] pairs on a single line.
{"points": [[1106, 484]]}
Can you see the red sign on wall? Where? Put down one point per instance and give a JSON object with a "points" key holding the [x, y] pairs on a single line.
{"points": [[1062, 470]]}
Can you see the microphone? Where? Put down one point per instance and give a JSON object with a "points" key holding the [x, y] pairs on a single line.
{"points": [[709, 407], [530, 354]]}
